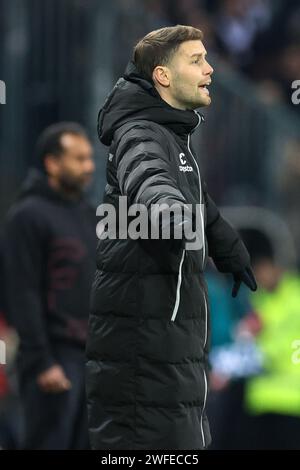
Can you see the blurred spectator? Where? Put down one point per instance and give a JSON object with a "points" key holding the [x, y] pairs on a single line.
{"points": [[288, 69], [49, 251], [195, 13], [133, 19], [237, 24], [258, 391], [233, 358], [10, 413], [273, 396], [290, 189]]}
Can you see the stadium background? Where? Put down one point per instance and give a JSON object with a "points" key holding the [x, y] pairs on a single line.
{"points": [[59, 59]]}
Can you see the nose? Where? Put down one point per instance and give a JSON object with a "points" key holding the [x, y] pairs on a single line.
{"points": [[209, 70], [90, 166]]}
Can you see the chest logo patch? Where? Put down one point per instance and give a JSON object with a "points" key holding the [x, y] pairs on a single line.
{"points": [[183, 167]]}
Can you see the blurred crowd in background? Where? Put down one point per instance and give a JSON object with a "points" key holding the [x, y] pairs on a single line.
{"points": [[260, 38], [60, 58]]}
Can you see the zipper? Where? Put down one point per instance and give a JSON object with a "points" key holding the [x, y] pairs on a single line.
{"points": [[203, 258], [204, 404], [177, 301], [200, 189], [179, 279], [204, 374], [205, 304]]}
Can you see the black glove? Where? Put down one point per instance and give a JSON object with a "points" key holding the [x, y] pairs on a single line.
{"points": [[245, 276]]}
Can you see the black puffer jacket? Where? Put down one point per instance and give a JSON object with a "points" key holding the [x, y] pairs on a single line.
{"points": [[149, 328]]}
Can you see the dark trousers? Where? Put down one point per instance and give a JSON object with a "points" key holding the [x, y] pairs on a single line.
{"points": [[57, 420]]}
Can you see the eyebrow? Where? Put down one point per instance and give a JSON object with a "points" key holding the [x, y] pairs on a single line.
{"points": [[199, 54]]}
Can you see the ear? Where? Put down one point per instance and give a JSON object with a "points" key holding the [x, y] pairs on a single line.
{"points": [[51, 163], [161, 76]]}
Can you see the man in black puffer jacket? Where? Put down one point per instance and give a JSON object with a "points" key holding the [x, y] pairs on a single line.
{"points": [[149, 331]]}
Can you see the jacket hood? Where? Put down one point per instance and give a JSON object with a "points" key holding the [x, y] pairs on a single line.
{"points": [[36, 183], [135, 98]]}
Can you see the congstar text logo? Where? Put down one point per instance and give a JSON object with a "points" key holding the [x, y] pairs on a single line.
{"points": [[184, 167]]}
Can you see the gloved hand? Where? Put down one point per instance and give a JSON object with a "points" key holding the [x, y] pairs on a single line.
{"points": [[245, 276]]}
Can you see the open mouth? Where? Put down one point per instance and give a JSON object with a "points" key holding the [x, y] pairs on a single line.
{"points": [[204, 87]]}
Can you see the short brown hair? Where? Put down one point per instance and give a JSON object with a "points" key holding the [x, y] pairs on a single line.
{"points": [[157, 47]]}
